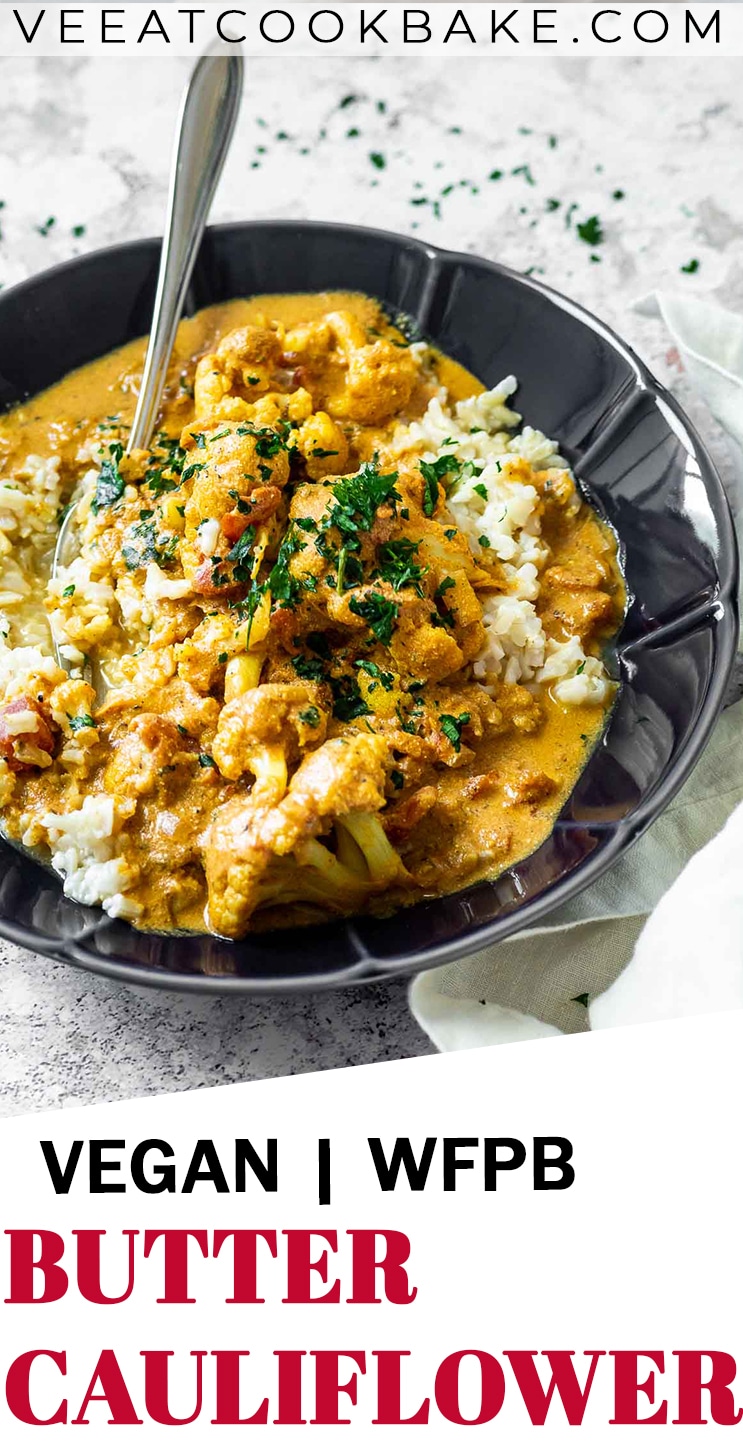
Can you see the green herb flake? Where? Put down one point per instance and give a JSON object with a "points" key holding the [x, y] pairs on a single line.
{"points": [[310, 716], [397, 564], [378, 160], [310, 669], [206, 761], [379, 612], [110, 485], [691, 267], [82, 720], [590, 231], [386, 679], [348, 703], [396, 778], [69, 591], [451, 727]]}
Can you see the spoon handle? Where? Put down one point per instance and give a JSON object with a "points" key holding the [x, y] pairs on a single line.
{"points": [[209, 110]]}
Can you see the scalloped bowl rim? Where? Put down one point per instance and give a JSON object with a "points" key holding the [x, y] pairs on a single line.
{"points": [[366, 969]]}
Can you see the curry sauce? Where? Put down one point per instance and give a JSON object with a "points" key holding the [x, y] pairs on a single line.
{"points": [[330, 645]]}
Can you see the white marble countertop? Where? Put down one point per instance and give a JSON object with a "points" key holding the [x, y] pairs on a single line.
{"points": [[650, 147]]}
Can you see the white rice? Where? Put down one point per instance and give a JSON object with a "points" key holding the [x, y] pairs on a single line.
{"points": [[498, 512], [83, 851]]}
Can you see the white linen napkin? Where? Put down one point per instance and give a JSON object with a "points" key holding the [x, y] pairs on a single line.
{"points": [[659, 935]]}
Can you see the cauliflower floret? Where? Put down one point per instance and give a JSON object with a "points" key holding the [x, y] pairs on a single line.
{"points": [[323, 446], [257, 853], [265, 731], [246, 359], [379, 378]]}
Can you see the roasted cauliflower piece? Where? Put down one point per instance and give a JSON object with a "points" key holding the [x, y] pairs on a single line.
{"points": [[257, 853], [244, 364], [266, 730], [323, 445], [379, 376]]}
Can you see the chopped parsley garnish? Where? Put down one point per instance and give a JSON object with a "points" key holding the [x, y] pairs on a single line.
{"points": [[268, 443], [240, 555], [306, 524], [444, 585], [378, 160], [310, 716], [484, 541], [481, 490], [397, 565], [283, 586], [378, 612], [165, 472], [347, 700], [590, 231], [451, 727], [69, 591], [691, 267], [396, 778], [321, 452], [206, 761], [183, 731], [309, 668], [450, 533], [150, 546], [524, 171], [448, 470], [82, 720], [356, 499], [109, 487], [223, 657], [374, 671]]}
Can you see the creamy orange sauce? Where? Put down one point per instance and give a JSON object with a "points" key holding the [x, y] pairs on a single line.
{"points": [[494, 800]]}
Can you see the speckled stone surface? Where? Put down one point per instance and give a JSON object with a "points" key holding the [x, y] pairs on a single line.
{"points": [[649, 147]]}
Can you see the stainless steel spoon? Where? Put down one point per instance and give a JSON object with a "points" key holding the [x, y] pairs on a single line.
{"points": [[209, 111]]}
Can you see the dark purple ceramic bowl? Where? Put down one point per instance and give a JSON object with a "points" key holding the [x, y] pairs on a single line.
{"points": [[639, 460]]}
